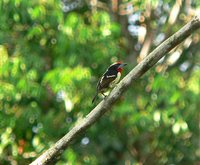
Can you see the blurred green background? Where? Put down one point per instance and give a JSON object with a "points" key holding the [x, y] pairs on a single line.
{"points": [[51, 56]]}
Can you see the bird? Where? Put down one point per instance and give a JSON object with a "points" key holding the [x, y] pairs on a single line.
{"points": [[109, 79]]}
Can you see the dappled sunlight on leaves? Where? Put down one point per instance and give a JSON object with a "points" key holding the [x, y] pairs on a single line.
{"points": [[52, 54]]}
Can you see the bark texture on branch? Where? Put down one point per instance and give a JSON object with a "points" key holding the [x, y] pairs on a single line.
{"points": [[50, 156]]}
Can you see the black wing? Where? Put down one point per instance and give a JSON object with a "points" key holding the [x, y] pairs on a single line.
{"points": [[106, 79]]}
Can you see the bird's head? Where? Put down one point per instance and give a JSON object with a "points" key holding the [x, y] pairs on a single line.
{"points": [[117, 66]]}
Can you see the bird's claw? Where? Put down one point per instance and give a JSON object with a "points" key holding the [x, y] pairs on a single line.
{"points": [[104, 95]]}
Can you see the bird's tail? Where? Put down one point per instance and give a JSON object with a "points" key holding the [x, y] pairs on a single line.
{"points": [[95, 97]]}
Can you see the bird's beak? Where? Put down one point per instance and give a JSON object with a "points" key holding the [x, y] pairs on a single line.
{"points": [[122, 65]]}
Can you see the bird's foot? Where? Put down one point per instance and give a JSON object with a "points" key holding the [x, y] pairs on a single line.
{"points": [[104, 95]]}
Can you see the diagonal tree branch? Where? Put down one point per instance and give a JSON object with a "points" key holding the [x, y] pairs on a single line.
{"points": [[57, 149]]}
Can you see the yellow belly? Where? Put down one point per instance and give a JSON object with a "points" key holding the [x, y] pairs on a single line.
{"points": [[113, 84]]}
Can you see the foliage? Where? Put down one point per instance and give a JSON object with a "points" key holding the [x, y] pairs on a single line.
{"points": [[51, 60]]}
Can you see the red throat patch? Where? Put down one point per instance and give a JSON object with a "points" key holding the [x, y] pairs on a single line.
{"points": [[119, 70]]}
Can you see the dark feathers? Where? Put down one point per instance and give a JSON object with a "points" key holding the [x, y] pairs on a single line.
{"points": [[109, 79]]}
